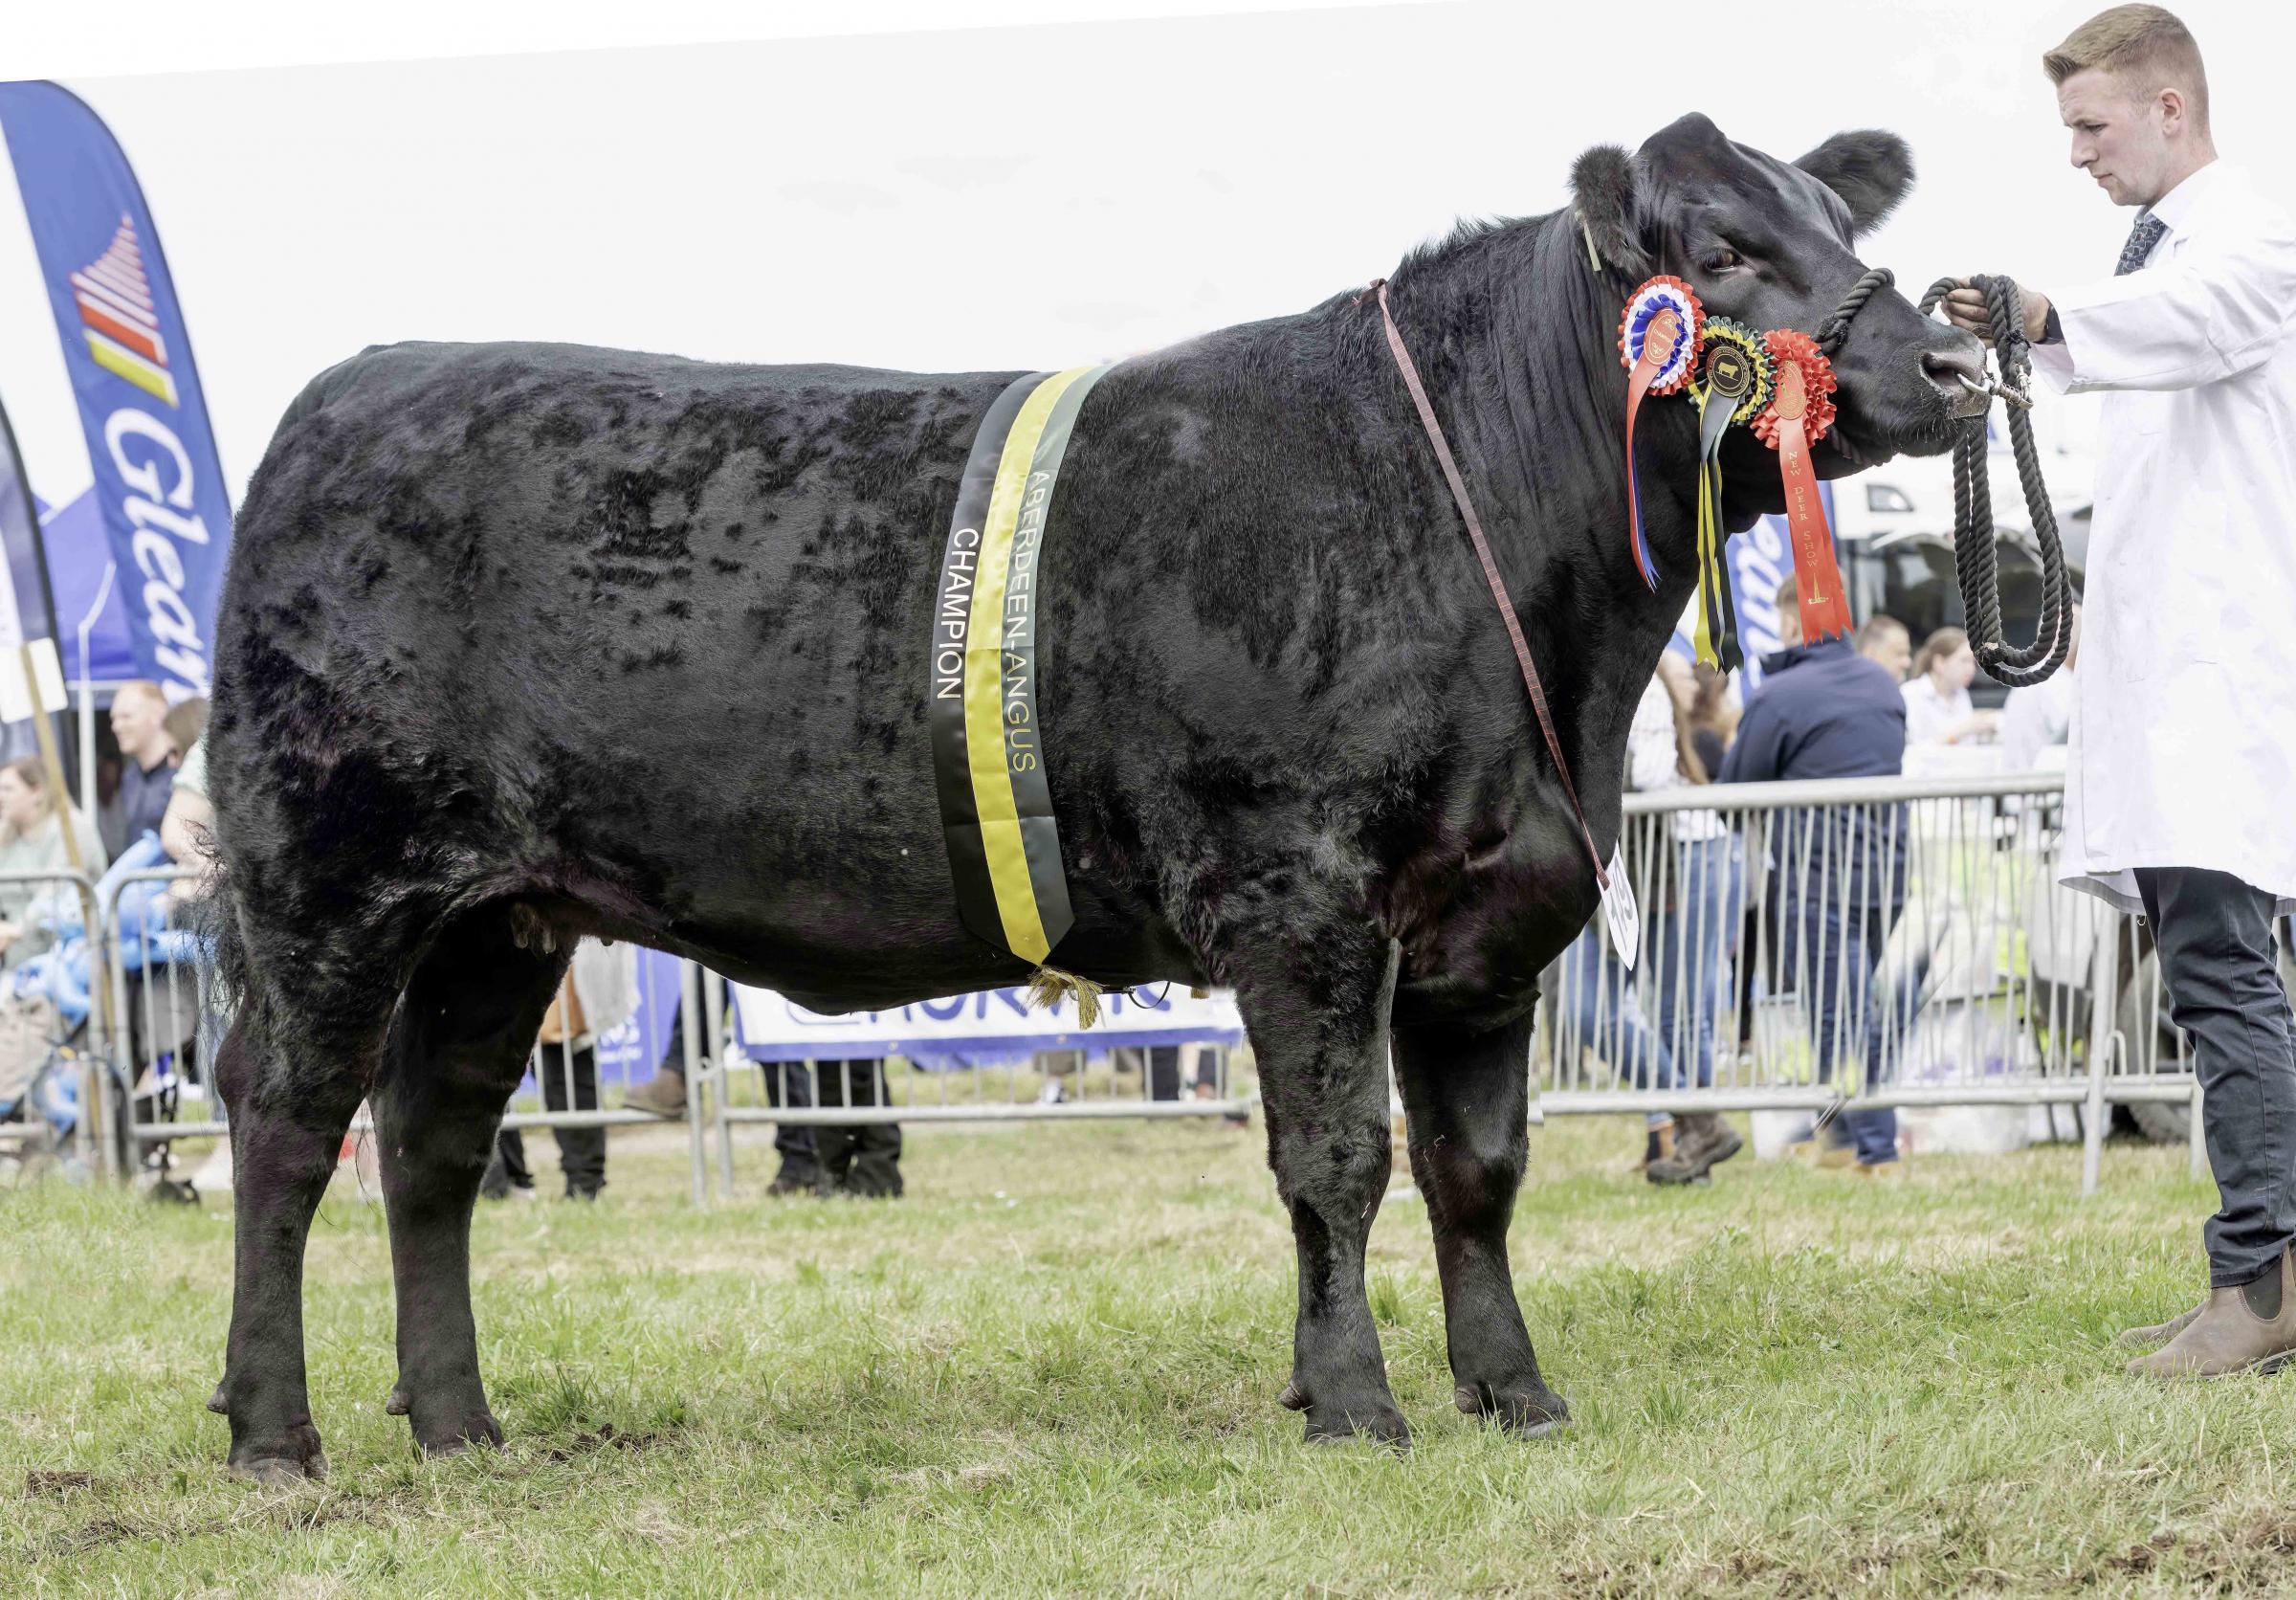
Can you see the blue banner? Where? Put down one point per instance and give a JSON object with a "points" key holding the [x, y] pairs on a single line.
{"points": [[157, 476]]}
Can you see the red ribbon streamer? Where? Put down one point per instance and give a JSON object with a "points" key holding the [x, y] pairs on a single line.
{"points": [[1658, 345]]}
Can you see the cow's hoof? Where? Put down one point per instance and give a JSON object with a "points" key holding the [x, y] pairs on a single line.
{"points": [[1376, 1420], [398, 1405], [456, 1435], [275, 1468], [1529, 1412]]}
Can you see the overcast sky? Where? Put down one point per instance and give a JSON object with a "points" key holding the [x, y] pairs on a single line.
{"points": [[1032, 196]]}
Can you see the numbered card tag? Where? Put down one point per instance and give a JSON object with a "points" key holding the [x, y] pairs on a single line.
{"points": [[1618, 907]]}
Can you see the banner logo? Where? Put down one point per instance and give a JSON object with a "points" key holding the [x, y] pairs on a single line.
{"points": [[121, 323]]}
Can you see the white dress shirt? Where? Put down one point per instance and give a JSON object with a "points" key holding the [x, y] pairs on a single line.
{"points": [[2037, 719], [2184, 722], [1931, 716]]}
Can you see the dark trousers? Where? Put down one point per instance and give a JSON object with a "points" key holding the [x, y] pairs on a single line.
{"points": [[789, 1083], [580, 1152], [2214, 937], [863, 1160]]}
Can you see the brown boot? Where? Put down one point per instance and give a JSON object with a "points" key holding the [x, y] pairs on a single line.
{"points": [[2159, 1333], [1665, 1164], [664, 1094], [2249, 1327], [1703, 1141]]}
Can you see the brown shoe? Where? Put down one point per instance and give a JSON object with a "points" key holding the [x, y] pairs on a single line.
{"points": [[2158, 1334], [2249, 1327], [664, 1094], [1703, 1141], [1663, 1163]]}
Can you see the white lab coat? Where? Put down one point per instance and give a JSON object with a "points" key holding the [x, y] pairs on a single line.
{"points": [[2184, 724]]}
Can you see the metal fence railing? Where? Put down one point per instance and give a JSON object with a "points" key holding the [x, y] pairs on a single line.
{"points": [[1812, 947], [1858, 944]]}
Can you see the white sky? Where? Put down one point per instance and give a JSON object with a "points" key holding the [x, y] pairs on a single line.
{"points": [[991, 196]]}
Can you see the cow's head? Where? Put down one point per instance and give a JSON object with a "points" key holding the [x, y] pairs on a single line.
{"points": [[1768, 243]]}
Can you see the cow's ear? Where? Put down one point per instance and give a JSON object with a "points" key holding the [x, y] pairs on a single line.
{"points": [[1603, 192], [1868, 169]]}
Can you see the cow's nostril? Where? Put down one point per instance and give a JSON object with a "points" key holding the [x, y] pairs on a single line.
{"points": [[1960, 373]]}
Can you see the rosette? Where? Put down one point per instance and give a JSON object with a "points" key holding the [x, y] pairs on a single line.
{"points": [[1799, 413], [1732, 386], [1658, 345]]}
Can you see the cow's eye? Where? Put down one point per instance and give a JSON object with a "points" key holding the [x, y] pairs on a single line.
{"points": [[1721, 259]]}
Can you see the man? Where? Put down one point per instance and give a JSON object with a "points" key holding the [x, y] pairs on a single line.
{"points": [[2182, 759], [1825, 711], [599, 994], [1886, 641], [147, 775]]}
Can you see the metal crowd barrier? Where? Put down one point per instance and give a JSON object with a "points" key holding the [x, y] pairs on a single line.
{"points": [[50, 1067], [1841, 945], [1810, 946]]}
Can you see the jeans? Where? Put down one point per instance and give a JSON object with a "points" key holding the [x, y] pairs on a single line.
{"points": [[1602, 1012], [2214, 937], [1832, 952], [1689, 950]]}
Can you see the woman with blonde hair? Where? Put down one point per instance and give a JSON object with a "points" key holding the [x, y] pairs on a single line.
{"points": [[31, 840]]}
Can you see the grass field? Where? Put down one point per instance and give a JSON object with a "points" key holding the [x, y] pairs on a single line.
{"points": [[1052, 1369]]}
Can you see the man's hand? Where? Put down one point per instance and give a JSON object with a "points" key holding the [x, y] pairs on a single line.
{"points": [[1964, 307]]}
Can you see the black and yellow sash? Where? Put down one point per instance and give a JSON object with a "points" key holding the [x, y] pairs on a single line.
{"points": [[988, 761]]}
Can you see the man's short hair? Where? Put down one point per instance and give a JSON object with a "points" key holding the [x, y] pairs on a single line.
{"points": [[1879, 627], [1788, 595], [2145, 46]]}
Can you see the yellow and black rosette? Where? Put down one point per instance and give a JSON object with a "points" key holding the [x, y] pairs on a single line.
{"points": [[1732, 386]]}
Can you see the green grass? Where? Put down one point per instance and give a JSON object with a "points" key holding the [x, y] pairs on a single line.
{"points": [[1052, 1369]]}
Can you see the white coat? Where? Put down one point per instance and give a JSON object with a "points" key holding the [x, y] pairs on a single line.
{"points": [[2184, 722]]}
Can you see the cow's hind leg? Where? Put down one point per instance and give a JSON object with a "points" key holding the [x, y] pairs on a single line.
{"points": [[289, 1086], [1317, 1017], [1466, 1098], [455, 1051]]}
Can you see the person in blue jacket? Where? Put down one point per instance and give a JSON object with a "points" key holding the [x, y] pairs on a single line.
{"points": [[1838, 874]]}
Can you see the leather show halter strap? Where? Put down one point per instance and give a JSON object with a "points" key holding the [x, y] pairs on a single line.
{"points": [[1491, 572]]}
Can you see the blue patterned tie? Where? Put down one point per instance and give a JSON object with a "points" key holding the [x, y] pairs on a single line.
{"points": [[2141, 239]]}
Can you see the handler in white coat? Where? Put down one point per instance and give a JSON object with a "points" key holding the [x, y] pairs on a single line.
{"points": [[2183, 760]]}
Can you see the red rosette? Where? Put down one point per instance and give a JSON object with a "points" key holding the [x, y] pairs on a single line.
{"points": [[1790, 346], [1663, 292]]}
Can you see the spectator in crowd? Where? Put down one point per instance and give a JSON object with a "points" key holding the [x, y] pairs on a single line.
{"points": [[147, 767], [31, 840], [862, 1161], [1824, 711], [1602, 1010], [187, 830], [1694, 915], [599, 994], [1883, 640], [2040, 717], [1713, 715], [1938, 710], [186, 724]]}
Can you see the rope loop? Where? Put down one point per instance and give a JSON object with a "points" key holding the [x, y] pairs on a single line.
{"points": [[1976, 564]]}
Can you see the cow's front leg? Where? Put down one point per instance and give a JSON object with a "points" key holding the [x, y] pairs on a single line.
{"points": [[1317, 1015], [1467, 1096]]}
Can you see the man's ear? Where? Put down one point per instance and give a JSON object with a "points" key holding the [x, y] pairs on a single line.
{"points": [[1603, 192], [1868, 169]]}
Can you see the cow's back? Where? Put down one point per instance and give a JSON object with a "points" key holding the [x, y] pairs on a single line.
{"points": [[545, 601]]}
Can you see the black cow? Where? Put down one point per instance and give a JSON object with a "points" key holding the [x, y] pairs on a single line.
{"points": [[524, 642]]}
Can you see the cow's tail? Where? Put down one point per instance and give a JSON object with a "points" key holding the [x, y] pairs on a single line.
{"points": [[215, 925]]}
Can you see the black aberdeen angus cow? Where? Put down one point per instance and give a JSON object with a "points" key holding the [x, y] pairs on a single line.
{"points": [[522, 642]]}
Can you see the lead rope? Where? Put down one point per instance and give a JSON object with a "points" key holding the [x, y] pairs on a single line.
{"points": [[1976, 563]]}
